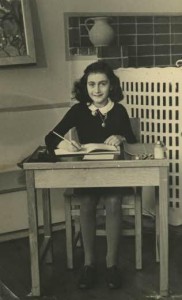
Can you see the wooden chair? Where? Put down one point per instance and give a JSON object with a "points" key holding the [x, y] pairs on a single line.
{"points": [[131, 205]]}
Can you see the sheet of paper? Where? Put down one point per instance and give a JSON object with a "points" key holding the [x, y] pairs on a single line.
{"points": [[98, 156]]}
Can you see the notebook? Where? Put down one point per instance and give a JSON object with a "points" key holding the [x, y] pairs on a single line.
{"points": [[96, 148], [104, 156]]}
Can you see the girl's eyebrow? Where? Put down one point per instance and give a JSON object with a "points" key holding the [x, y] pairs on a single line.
{"points": [[102, 81]]}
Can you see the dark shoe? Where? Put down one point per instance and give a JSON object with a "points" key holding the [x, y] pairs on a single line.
{"points": [[113, 277], [87, 278]]}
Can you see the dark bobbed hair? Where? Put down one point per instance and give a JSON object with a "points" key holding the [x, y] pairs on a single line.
{"points": [[80, 87]]}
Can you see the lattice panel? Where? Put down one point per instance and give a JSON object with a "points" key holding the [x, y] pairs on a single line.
{"points": [[153, 95]]}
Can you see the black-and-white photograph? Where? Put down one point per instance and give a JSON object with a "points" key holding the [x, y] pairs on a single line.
{"points": [[90, 139]]}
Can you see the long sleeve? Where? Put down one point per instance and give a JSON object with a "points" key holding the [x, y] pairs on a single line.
{"points": [[129, 135], [120, 122], [89, 127], [68, 121]]}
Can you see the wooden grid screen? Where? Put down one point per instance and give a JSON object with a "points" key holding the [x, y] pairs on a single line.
{"points": [[154, 95]]}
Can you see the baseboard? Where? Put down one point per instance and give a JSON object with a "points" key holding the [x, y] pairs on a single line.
{"points": [[148, 221], [24, 233]]}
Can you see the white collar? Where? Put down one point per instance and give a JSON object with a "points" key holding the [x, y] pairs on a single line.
{"points": [[104, 110]]}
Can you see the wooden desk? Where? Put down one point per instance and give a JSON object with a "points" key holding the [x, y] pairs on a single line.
{"points": [[66, 174]]}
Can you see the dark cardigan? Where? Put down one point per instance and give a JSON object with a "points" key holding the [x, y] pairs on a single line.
{"points": [[89, 127]]}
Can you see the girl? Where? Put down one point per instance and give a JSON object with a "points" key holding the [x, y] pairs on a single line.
{"points": [[98, 118]]}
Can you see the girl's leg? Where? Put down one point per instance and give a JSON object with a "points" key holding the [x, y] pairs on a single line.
{"points": [[88, 227], [113, 228]]}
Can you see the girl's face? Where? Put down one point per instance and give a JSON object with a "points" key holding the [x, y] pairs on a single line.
{"points": [[98, 87]]}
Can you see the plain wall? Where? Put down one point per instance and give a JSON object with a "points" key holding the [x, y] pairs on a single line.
{"points": [[47, 82]]}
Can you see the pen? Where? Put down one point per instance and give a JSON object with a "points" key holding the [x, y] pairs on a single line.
{"points": [[66, 140]]}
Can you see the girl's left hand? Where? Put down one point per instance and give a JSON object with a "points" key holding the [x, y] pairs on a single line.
{"points": [[115, 140]]}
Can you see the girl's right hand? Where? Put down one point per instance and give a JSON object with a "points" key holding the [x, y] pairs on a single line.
{"points": [[71, 147], [75, 146]]}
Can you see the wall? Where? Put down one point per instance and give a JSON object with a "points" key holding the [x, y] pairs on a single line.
{"points": [[25, 88], [138, 41], [48, 80], [158, 6], [21, 132]]}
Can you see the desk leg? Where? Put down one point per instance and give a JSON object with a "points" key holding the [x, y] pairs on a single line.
{"points": [[33, 233], [138, 227], [163, 223], [157, 224], [47, 224]]}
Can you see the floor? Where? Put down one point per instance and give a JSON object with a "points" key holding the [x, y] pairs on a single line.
{"points": [[60, 284]]}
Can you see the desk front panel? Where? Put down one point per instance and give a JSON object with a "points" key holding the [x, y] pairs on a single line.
{"points": [[106, 177]]}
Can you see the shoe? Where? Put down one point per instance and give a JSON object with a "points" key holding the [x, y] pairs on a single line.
{"points": [[113, 277], [87, 278]]}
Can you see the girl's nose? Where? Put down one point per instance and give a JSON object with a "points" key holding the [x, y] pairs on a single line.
{"points": [[97, 89]]}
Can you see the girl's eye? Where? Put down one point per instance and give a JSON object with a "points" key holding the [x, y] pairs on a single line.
{"points": [[91, 84], [103, 83]]}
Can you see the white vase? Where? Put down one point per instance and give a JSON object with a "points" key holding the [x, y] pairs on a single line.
{"points": [[101, 33]]}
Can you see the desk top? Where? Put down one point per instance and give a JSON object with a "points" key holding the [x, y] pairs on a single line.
{"points": [[40, 160]]}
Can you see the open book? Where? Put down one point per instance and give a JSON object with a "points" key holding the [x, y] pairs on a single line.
{"points": [[97, 148]]}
